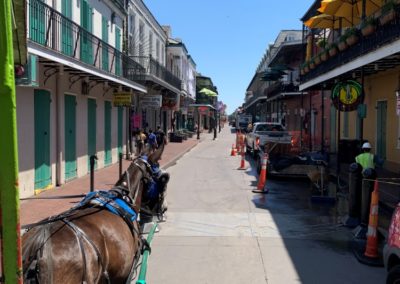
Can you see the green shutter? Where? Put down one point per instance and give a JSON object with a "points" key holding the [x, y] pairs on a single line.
{"points": [[66, 28], [118, 54], [86, 37], [381, 116], [70, 137], [37, 22], [107, 133], [42, 138], [104, 35]]}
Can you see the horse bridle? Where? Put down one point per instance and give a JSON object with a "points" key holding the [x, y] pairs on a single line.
{"points": [[80, 234]]}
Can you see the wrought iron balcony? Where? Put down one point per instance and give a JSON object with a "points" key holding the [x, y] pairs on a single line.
{"points": [[152, 67], [49, 28], [383, 35]]}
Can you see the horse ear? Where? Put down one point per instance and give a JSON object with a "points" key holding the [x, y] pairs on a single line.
{"points": [[156, 155]]}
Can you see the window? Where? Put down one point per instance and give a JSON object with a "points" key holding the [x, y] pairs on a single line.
{"points": [[131, 45], [150, 43], [132, 24], [141, 32], [158, 50]]}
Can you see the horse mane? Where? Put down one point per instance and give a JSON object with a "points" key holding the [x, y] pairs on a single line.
{"points": [[37, 245]]}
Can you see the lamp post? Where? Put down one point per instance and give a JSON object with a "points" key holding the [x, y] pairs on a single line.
{"points": [[198, 124]]}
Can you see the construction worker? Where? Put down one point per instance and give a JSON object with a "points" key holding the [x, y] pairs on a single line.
{"points": [[366, 159]]}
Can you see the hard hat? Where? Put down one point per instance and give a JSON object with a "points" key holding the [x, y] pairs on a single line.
{"points": [[366, 145]]}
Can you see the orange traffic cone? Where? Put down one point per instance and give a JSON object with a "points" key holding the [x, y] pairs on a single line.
{"points": [[233, 151], [371, 249], [263, 176], [242, 163]]}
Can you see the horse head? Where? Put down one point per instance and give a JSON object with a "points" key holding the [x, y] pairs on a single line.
{"points": [[140, 173]]}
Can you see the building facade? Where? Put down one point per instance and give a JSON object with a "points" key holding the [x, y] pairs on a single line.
{"points": [[147, 44], [358, 66], [65, 112]]}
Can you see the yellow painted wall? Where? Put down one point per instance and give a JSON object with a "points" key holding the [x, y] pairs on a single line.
{"points": [[378, 87]]}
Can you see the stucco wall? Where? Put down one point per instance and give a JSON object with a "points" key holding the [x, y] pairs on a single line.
{"points": [[382, 87], [26, 125]]}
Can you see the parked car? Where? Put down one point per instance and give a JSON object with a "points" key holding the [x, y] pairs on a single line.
{"points": [[391, 251], [266, 132]]}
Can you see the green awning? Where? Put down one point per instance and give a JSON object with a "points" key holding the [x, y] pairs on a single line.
{"points": [[208, 92]]}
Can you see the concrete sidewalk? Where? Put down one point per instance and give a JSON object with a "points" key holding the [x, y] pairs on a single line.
{"points": [[35, 210]]}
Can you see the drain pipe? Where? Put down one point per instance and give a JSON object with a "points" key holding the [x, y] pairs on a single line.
{"points": [[58, 126]]}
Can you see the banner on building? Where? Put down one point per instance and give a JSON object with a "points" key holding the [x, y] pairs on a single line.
{"points": [[136, 121], [151, 101], [122, 99]]}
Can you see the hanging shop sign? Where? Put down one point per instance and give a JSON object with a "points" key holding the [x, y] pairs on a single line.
{"points": [[203, 110], [169, 101], [151, 101], [346, 96], [122, 99]]}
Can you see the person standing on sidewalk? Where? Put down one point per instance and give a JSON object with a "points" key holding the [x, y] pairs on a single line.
{"points": [[366, 159], [161, 137], [152, 140]]}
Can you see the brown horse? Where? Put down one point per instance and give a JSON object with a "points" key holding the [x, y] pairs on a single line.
{"points": [[90, 244]]}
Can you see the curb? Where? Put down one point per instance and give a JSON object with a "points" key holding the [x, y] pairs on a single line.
{"points": [[177, 157]]}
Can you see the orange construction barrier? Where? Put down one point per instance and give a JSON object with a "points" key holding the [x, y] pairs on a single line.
{"points": [[242, 162], [371, 249], [263, 176], [233, 151]]}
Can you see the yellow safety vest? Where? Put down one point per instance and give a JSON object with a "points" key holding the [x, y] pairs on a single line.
{"points": [[366, 160]]}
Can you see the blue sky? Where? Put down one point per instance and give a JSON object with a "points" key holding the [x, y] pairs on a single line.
{"points": [[227, 39]]}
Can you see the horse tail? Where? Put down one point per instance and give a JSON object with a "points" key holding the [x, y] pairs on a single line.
{"points": [[36, 252]]}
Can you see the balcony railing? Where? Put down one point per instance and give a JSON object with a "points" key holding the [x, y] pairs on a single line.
{"points": [[384, 34], [53, 30], [152, 67]]}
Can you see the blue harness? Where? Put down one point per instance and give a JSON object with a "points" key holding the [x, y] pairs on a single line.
{"points": [[112, 202], [154, 186]]}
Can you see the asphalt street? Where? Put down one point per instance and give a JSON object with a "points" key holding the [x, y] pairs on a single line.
{"points": [[218, 231]]}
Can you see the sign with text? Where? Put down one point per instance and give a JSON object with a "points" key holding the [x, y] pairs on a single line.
{"points": [[151, 101], [122, 99]]}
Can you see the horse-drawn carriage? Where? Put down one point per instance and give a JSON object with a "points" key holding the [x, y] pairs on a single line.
{"points": [[99, 240]]}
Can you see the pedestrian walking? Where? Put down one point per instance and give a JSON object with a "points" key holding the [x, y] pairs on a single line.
{"points": [[152, 140], [140, 141], [161, 137]]}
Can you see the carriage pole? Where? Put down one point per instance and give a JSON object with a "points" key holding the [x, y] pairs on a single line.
{"points": [[9, 193], [143, 268]]}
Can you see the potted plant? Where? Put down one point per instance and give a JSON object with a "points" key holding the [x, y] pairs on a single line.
{"points": [[321, 43], [368, 26], [324, 55], [333, 49], [317, 59], [351, 36], [311, 63], [342, 45], [388, 12], [304, 68]]}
